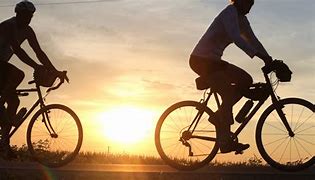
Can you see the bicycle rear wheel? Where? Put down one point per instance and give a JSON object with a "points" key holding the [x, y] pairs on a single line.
{"points": [[277, 147], [179, 147], [54, 135]]}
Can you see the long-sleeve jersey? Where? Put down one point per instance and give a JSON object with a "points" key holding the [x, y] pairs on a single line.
{"points": [[228, 27]]}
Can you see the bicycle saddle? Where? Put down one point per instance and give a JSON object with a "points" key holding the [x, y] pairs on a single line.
{"points": [[202, 83]]}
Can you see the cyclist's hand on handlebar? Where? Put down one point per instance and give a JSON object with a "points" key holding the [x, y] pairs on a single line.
{"points": [[268, 60]]}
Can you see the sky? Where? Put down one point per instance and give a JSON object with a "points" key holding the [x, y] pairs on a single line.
{"points": [[133, 55]]}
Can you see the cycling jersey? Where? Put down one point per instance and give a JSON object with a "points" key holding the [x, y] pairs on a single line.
{"points": [[228, 27]]}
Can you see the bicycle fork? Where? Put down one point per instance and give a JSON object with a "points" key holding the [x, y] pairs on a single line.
{"points": [[284, 119], [48, 125]]}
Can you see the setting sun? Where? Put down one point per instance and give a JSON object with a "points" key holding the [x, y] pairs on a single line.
{"points": [[127, 124]]}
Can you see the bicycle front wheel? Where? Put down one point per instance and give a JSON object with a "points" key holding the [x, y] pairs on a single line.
{"points": [[180, 146], [284, 151], [54, 135]]}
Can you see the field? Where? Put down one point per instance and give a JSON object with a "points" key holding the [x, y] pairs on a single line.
{"points": [[109, 158]]}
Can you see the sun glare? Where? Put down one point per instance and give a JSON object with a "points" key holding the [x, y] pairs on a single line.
{"points": [[127, 124]]}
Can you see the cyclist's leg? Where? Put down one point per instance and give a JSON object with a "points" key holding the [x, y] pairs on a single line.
{"points": [[12, 78], [232, 81], [229, 82]]}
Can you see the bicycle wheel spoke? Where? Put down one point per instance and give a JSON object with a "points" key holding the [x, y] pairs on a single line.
{"points": [[176, 144], [284, 150], [304, 130], [277, 148], [167, 131], [297, 149], [290, 150], [201, 143], [171, 126], [179, 115], [174, 123], [170, 138], [304, 148], [272, 134], [304, 121], [297, 123], [305, 141], [306, 134], [195, 147], [276, 127], [291, 119], [276, 141], [190, 117]]}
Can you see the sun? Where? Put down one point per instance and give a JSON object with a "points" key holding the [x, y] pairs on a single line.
{"points": [[127, 124]]}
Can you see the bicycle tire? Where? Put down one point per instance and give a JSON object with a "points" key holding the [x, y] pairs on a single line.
{"points": [[176, 157], [268, 134], [55, 151]]}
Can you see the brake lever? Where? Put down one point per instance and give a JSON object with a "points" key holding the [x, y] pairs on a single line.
{"points": [[55, 87], [62, 78]]}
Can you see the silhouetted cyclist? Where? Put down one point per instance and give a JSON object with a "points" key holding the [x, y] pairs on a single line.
{"points": [[230, 26], [13, 32]]}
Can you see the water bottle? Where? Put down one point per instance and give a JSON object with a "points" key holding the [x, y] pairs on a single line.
{"points": [[240, 117]]}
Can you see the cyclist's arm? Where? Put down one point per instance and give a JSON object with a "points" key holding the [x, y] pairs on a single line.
{"points": [[17, 50], [231, 26], [40, 54], [248, 34]]}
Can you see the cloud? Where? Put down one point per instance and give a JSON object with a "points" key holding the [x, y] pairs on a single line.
{"points": [[148, 43]]}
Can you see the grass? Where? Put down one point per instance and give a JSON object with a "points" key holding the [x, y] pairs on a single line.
{"points": [[109, 158]]}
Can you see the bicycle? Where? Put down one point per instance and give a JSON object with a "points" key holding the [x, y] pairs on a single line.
{"points": [[186, 140], [54, 134]]}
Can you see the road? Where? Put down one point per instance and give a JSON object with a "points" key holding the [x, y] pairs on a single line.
{"points": [[18, 170]]}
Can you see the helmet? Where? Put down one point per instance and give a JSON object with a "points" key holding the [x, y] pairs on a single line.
{"points": [[25, 6], [44, 77]]}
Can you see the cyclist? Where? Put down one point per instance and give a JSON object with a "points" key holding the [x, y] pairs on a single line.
{"points": [[12, 34], [230, 26]]}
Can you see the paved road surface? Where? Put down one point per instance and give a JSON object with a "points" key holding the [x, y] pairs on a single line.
{"points": [[11, 170]]}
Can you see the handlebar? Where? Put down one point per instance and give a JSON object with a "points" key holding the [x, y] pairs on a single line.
{"points": [[55, 87], [268, 68], [62, 78]]}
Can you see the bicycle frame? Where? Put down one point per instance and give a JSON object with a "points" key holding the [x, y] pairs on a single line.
{"points": [[274, 99], [40, 102]]}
